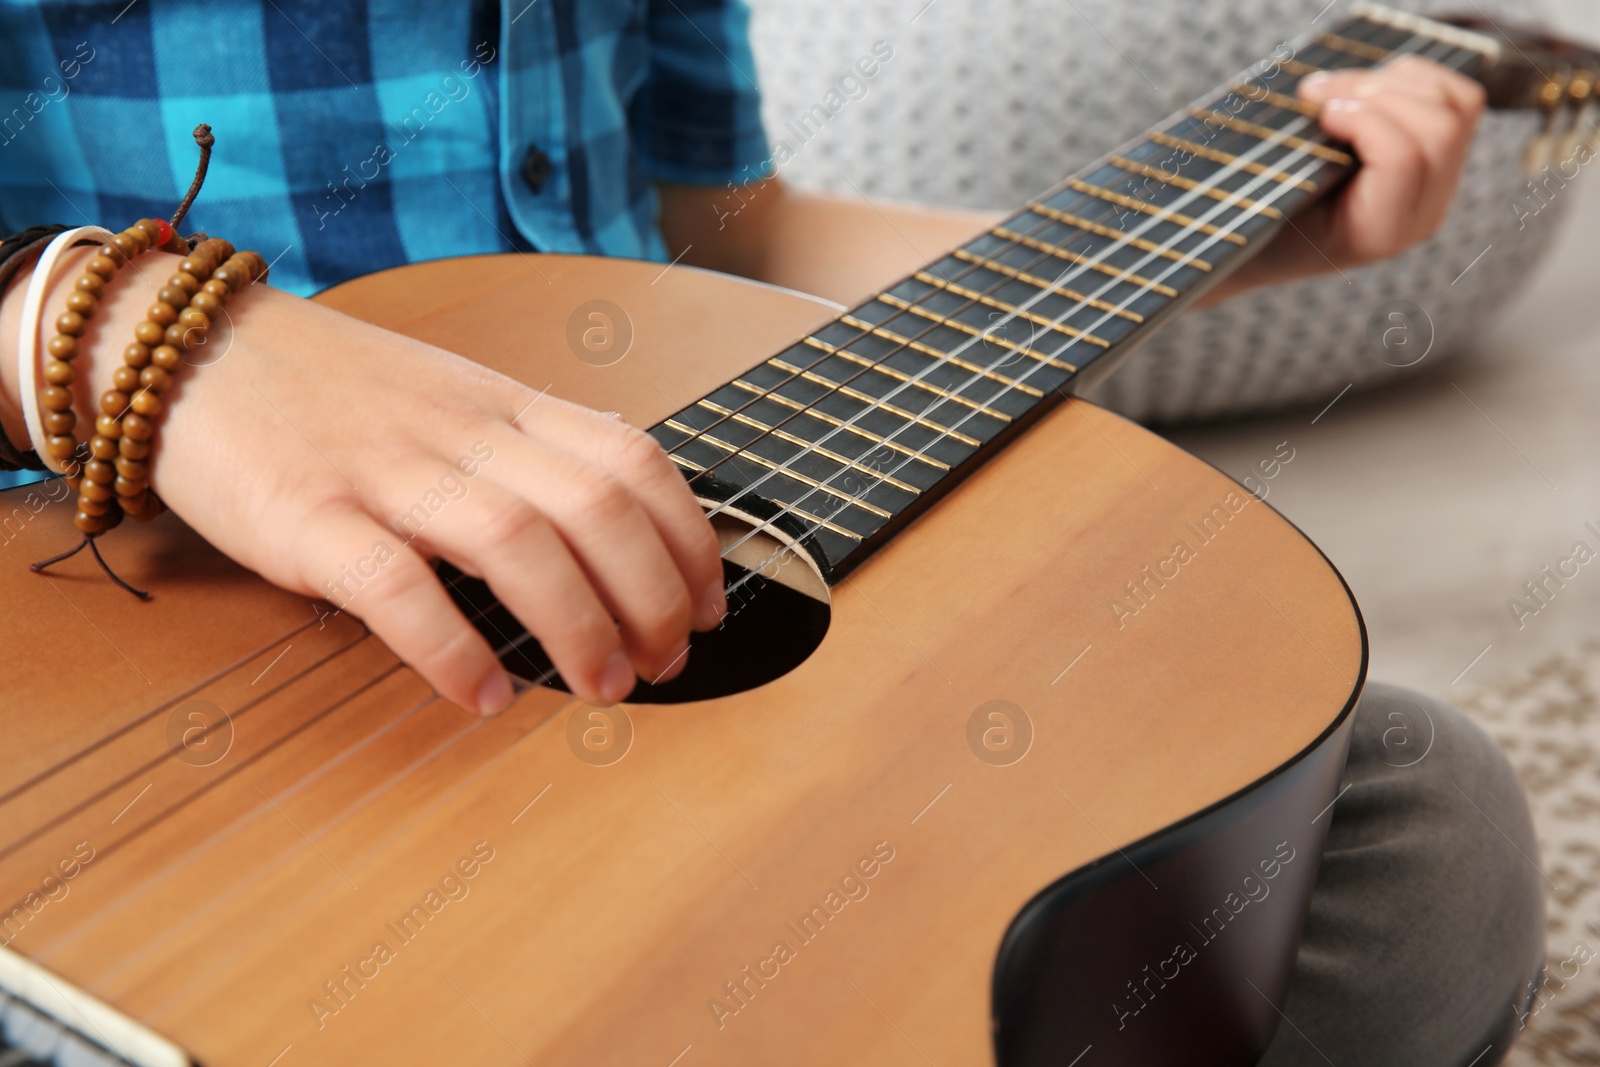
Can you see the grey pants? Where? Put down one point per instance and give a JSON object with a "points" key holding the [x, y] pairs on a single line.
{"points": [[1426, 933]]}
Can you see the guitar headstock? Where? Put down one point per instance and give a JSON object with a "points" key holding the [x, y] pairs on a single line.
{"points": [[1540, 72]]}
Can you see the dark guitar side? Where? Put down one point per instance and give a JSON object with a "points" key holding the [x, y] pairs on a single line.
{"points": [[623, 903]]}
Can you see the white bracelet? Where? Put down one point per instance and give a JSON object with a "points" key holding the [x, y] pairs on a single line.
{"points": [[28, 340]]}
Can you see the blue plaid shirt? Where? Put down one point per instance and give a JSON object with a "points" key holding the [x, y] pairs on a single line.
{"points": [[354, 136]]}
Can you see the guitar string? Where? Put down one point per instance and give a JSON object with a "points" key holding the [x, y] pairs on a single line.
{"points": [[512, 643], [786, 509], [278, 687], [895, 391], [395, 667], [1228, 140], [1106, 212]]}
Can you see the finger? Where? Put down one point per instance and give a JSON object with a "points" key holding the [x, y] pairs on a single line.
{"points": [[364, 569], [1435, 81], [1444, 137], [1376, 212], [527, 563], [637, 460], [619, 547]]}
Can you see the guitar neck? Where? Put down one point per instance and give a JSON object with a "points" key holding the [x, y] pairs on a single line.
{"points": [[844, 436]]}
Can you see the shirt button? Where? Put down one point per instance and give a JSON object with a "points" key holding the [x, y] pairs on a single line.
{"points": [[535, 168]]}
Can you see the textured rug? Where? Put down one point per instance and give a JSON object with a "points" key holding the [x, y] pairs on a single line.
{"points": [[1548, 721]]}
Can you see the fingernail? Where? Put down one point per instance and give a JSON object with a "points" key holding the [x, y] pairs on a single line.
{"points": [[617, 679], [1342, 104], [494, 696], [1316, 78], [713, 605]]}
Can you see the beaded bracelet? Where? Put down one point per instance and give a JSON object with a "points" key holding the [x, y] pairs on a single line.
{"points": [[117, 470], [55, 399]]}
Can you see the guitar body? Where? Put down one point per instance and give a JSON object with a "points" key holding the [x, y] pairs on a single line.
{"points": [[849, 863]]}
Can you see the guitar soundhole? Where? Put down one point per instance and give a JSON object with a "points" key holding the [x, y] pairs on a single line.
{"points": [[769, 630]]}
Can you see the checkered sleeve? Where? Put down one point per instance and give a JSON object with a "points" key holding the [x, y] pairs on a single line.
{"points": [[697, 118]]}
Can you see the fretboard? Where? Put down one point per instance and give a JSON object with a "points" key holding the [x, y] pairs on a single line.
{"points": [[844, 436]]}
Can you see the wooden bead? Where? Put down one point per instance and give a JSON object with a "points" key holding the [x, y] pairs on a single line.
{"points": [[108, 426], [131, 449], [230, 275], [224, 247], [100, 472], [58, 373], [132, 469], [147, 403], [152, 229], [126, 245], [102, 447], [93, 507], [206, 302], [137, 427], [198, 264], [61, 446], [112, 519], [185, 281], [59, 422], [194, 319], [62, 347], [113, 402], [91, 283], [136, 354], [95, 491], [148, 333], [81, 302], [55, 398], [162, 313], [179, 337], [217, 289], [155, 379], [102, 265], [139, 237], [124, 487], [141, 507], [171, 294], [125, 379], [70, 323], [89, 524], [167, 357]]}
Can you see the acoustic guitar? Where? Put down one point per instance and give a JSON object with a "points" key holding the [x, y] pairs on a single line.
{"points": [[1019, 745]]}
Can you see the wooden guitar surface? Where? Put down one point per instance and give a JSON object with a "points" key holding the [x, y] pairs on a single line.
{"points": [[609, 905]]}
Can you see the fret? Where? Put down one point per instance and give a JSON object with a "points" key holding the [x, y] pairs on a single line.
{"points": [[988, 300], [1034, 280], [1266, 133], [1297, 67], [855, 428], [987, 332], [1354, 48], [907, 378], [1278, 100], [1219, 156], [1073, 257], [856, 394], [881, 408], [826, 453], [815, 520], [982, 332], [956, 361], [1190, 185], [1186, 221], [1110, 231], [785, 470]]}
